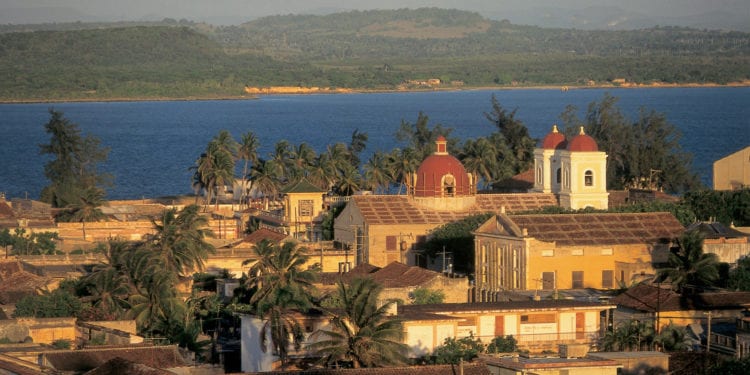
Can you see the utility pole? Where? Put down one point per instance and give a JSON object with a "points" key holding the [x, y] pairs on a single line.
{"points": [[708, 341]]}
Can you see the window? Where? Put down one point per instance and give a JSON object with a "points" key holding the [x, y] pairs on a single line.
{"points": [[306, 207], [391, 243], [577, 280], [559, 175], [548, 253], [449, 183], [548, 280], [608, 279], [577, 252], [588, 178], [607, 252]]}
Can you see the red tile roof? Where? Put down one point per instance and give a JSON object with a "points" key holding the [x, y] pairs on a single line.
{"points": [[594, 228], [395, 209], [159, 357], [649, 298], [470, 368], [394, 275], [264, 234]]}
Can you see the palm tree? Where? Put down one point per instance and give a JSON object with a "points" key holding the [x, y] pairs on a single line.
{"points": [[281, 285], [349, 181], [179, 241], [403, 164], [281, 158], [323, 171], [108, 290], [377, 173], [361, 332], [86, 207], [302, 157], [689, 265], [248, 152], [266, 179], [480, 158]]}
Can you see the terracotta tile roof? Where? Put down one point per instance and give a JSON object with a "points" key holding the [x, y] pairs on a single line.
{"points": [[160, 357], [715, 230], [470, 368], [120, 366], [394, 275], [648, 298], [13, 365], [600, 229], [519, 202], [395, 209], [521, 182], [264, 234], [6, 212], [454, 308], [541, 364]]}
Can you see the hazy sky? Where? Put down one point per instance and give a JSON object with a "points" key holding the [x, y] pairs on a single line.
{"points": [[237, 11]]}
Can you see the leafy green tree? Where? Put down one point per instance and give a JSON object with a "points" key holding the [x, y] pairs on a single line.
{"points": [[641, 153], [36, 243], [515, 135], [420, 139], [739, 277], [727, 207], [689, 265], [731, 367], [56, 304], [424, 296], [455, 350], [456, 238], [630, 335], [73, 168], [673, 338], [264, 176], [502, 344], [361, 332], [6, 239]]}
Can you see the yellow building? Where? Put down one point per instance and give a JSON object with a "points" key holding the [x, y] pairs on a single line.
{"points": [[533, 252], [732, 172], [536, 325], [300, 214]]}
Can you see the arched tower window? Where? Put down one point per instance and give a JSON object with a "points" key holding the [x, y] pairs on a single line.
{"points": [[559, 175], [449, 186], [588, 178]]}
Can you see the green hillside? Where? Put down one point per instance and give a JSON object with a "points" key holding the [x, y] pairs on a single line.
{"points": [[360, 50]]}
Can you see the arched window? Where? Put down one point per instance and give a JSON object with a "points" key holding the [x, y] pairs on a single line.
{"points": [[588, 178], [559, 175], [449, 186]]}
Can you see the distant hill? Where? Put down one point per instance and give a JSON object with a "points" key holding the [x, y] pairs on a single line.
{"points": [[384, 50]]}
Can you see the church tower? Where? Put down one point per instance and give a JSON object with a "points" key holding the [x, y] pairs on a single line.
{"points": [[583, 174], [547, 174]]}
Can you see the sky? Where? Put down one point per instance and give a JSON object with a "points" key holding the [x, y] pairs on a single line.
{"points": [[220, 12]]}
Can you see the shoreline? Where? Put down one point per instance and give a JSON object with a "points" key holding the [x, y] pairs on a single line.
{"points": [[375, 91]]}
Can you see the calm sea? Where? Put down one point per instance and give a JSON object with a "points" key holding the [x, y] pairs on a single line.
{"points": [[154, 143]]}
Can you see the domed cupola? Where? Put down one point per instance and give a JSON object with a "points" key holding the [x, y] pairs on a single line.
{"points": [[442, 175], [583, 142], [554, 140]]}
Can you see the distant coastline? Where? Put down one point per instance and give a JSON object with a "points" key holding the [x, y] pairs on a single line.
{"points": [[307, 91]]}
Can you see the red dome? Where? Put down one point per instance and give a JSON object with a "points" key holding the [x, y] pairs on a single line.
{"points": [[554, 140], [582, 142], [441, 174]]}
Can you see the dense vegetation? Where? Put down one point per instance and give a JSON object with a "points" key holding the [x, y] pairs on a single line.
{"points": [[360, 49]]}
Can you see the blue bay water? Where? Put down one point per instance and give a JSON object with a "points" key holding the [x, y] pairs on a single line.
{"points": [[154, 143]]}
